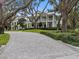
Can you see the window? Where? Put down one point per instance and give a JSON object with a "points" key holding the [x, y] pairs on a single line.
{"points": [[50, 17]]}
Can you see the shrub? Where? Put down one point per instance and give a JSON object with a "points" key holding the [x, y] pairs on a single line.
{"points": [[74, 40], [77, 31], [51, 28], [69, 38], [53, 35]]}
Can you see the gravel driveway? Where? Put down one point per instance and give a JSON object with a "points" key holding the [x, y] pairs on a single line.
{"points": [[27, 45]]}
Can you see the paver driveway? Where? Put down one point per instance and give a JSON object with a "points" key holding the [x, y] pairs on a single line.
{"points": [[26, 45]]}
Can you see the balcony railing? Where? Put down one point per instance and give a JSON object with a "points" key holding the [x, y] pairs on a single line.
{"points": [[45, 20]]}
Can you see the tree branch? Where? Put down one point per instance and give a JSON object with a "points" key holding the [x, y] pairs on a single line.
{"points": [[14, 12]]}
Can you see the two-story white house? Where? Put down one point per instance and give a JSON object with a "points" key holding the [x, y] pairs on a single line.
{"points": [[47, 20]]}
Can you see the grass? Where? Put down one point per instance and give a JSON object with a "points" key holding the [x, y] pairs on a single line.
{"points": [[34, 30], [4, 38], [37, 30]]}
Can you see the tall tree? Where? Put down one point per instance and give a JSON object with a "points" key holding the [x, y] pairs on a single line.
{"points": [[74, 17], [5, 17], [21, 22], [65, 7], [34, 12], [1, 19]]}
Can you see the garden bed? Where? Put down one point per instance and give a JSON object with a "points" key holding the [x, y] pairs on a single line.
{"points": [[70, 38]]}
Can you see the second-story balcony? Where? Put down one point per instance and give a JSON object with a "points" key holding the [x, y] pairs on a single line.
{"points": [[45, 20]]}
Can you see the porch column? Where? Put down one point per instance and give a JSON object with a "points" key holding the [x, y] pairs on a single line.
{"points": [[46, 21], [53, 22], [27, 25]]}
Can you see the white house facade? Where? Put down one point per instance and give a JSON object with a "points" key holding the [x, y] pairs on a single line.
{"points": [[15, 26], [48, 20]]}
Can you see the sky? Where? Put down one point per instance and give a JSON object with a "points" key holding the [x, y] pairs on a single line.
{"points": [[42, 5]]}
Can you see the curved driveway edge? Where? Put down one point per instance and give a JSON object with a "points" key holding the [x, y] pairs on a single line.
{"points": [[27, 45]]}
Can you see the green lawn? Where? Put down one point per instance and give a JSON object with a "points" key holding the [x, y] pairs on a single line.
{"points": [[34, 30], [4, 38], [38, 30]]}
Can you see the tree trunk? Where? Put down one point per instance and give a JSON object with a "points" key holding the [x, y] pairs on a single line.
{"points": [[64, 21], [73, 25], [58, 25], [1, 20], [1, 29], [35, 25]]}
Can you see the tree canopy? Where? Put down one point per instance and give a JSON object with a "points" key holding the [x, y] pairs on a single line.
{"points": [[67, 9]]}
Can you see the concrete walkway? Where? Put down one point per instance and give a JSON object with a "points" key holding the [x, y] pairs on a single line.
{"points": [[36, 46]]}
